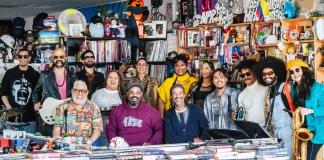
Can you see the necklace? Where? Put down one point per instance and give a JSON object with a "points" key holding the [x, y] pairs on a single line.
{"points": [[60, 85]]}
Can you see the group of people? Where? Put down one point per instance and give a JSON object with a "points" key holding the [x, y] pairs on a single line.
{"points": [[179, 110]]}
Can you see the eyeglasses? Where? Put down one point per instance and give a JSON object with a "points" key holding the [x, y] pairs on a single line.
{"points": [[59, 57], [89, 57], [269, 74], [247, 74], [82, 91], [297, 70], [23, 56]]}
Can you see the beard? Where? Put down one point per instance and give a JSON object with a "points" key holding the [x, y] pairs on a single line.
{"points": [[89, 65], [59, 63], [79, 101], [134, 101], [270, 81]]}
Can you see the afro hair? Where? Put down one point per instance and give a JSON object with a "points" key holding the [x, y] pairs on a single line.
{"points": [[276, 64]]}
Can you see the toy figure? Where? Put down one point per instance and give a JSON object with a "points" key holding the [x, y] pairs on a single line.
{"points": [[289, 10], [114, 31]]}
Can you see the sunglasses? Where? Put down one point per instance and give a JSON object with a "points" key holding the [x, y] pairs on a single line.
{"points": [[269, 74], [247, 74], [59, 57], [23, 56], [297, 70], [82, 91], [89, 57]]}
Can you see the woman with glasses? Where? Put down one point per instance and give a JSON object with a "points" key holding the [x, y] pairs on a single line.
{"points": [[303, 91], [107, 98]]}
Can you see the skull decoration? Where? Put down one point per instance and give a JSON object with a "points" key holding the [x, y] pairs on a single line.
{"points": [[197, 19]]}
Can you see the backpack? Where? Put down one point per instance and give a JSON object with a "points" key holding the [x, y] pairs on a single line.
{"points": [[18, 27]]}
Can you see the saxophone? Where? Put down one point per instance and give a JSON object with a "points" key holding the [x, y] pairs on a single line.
{"points": [[300, 136]]}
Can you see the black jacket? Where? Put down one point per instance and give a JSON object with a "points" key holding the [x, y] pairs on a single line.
{"points": [[46, 86], [98, 81]]}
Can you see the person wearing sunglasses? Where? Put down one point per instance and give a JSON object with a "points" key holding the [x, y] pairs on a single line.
{"points": [[95, 80], [304, 91], [271, 72], [78, 117], [251, 99], [16, 92], [56, 83]]}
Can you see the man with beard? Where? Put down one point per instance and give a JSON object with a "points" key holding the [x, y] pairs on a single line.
{"points": [[134, 120], [78, 117], [251, 99], [95, 80], [220, 104], [16, 90], [184, 122], [272, 72], [56, 83]]}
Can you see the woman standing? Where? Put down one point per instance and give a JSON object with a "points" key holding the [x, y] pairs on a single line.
{"points": [[107, 98], [204, 86], [303, 91]]}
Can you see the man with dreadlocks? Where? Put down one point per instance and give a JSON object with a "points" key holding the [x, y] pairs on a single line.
{"points": [[272, 72]]}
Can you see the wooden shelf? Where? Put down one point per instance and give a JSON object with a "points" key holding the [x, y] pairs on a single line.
{"points": [[297, 19], [267, 45], [208, 59], [237, 44], [320, 41], [207, 48], [300, 41], [190, 28], [241, 24], [192, 47]]}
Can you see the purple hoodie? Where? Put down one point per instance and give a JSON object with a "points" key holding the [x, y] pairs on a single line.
{"points": [[137, 126]]}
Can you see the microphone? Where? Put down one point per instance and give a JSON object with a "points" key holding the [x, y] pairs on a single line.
{"points": [[65, 120]]}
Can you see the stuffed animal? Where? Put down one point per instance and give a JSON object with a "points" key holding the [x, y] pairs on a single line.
{"points": [[118, 142], [289, 10], [114, 31], [137, 13]]}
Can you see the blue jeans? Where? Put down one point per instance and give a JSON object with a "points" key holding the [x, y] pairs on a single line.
{"points": [[30, 128]]}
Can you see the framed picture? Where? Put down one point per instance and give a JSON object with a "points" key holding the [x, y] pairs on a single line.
{"points": [[75, 29], [149, 30], [160, 29], [193, 39]]}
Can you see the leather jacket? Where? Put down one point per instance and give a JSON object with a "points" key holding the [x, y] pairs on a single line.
{"points": [[46, 86]]}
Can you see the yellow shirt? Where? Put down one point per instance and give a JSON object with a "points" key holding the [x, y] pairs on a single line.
{"points": [[164, 90]]}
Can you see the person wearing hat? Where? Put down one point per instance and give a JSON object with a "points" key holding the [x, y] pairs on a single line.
{"points": [[302, 90], [134, 120], [180, 76]]}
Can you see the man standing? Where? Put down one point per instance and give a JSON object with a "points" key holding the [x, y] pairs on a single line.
{"points": [[78, 117], [180, 76], [252, 97], [56, 83], [16, 89], [272, 72], [95, 80], [220, 104], [135, 121]]}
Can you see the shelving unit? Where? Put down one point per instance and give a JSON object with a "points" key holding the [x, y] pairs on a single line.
{"points": [[306, 24]]}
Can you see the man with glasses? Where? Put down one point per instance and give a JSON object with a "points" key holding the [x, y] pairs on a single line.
{"points": [[78, 117], [272, 72], [251, 99], [94, 80], [16, 90], [56, 83]]}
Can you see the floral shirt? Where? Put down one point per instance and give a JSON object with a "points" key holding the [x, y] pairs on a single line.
{"points": [[79, 123]]}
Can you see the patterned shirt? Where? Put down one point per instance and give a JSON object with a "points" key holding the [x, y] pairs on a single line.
{"points": [[148, 83], [79, 123]]}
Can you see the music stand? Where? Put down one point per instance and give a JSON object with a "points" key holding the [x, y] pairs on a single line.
{"points": [[227, 133], [252, 129]]}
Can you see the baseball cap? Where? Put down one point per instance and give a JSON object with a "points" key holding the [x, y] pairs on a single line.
{"points": [[134, 84]]}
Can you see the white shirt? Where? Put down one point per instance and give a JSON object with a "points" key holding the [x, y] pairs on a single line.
{"points": [[252, 98], [106, 99]]}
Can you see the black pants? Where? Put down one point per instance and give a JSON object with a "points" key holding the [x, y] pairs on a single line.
{"points": [[312, 150], [44, 128]]}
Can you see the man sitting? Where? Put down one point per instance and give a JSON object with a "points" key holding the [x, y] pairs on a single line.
{"points": [[78, 117], [134, 120]]}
